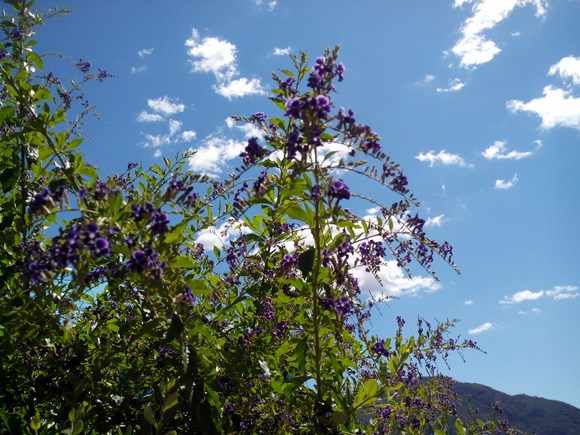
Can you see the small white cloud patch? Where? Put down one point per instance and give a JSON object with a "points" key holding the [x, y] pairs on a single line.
{"points": [[498, 150], [473, 48], [145, 52], [454, 86], [506, 184], [145, 116], [165, 106], [436, 221], [282, 51], [240, 88], [567, 68], [557, 293], [217, 56], [557, 108], [442, 158], [481, 328], [211, 157]]}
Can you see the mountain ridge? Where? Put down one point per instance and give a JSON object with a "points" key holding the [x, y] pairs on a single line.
{"points": [[530, 414]]}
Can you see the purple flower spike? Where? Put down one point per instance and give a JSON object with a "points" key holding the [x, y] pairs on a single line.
{"points": [[339, 190]]}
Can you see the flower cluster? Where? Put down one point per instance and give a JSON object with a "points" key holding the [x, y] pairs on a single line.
{"points": [[371, 254], [146, 260], [339, 190], [45, 200], [68, 247], [253, 152]]}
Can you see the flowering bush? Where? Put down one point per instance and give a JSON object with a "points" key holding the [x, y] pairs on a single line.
{"points": [[114, 319]]}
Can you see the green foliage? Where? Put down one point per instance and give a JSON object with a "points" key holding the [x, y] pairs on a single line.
{"points": [[115, 319]]}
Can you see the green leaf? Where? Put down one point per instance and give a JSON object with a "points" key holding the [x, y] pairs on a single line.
{"points": [[306, 261], [371, 387], [280, 123], [459, 427], [150, 416], [182, 262], [287, 72], [170, 401], [298, 213]]}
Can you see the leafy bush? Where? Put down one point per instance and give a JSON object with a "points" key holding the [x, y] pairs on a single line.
{"points": [[115, 319]]}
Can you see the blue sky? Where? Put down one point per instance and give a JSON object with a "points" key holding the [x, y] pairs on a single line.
{"points": [[479, 100]]}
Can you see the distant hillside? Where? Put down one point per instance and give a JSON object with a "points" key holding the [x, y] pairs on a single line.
{"points": [[532, 415]]}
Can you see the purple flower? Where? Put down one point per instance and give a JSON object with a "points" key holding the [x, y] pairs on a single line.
{"points": [[36, 270], [294, 106], [258, 116], [17, 34], [321, 103], [281, 329], [66, 98], [343, 305], [103, 74], [141, 261], [188, 296], [160, 222], [400, 321], [379, 347], [101, 248], [41, 200], [294, 139], [84, 66], [3, 54], [253, 152], [340, 71], [315, 192], [399, 184], [339, 190], [345, 249]]}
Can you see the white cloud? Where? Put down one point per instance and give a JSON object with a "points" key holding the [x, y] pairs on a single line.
{"points": [[249, 130], [216, 56], [341, 152], [145, 52], [395, 283], [282, 51], [212, 55], [468, 302], [188, 135], [436, 221], [138, 69], [240, 88], [218, 237], [425, 80], [173, 135], [561, 292], [473, 48], [498, 151], [454, 86], [459, 3], [567, 68], [145, 116], [165, 106], [481, 328], [557, 293], [522, 296], [211, 157], [443, 158], [174, 126], [505, 184], [270, 3], [156, 140], [556, 107]]}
